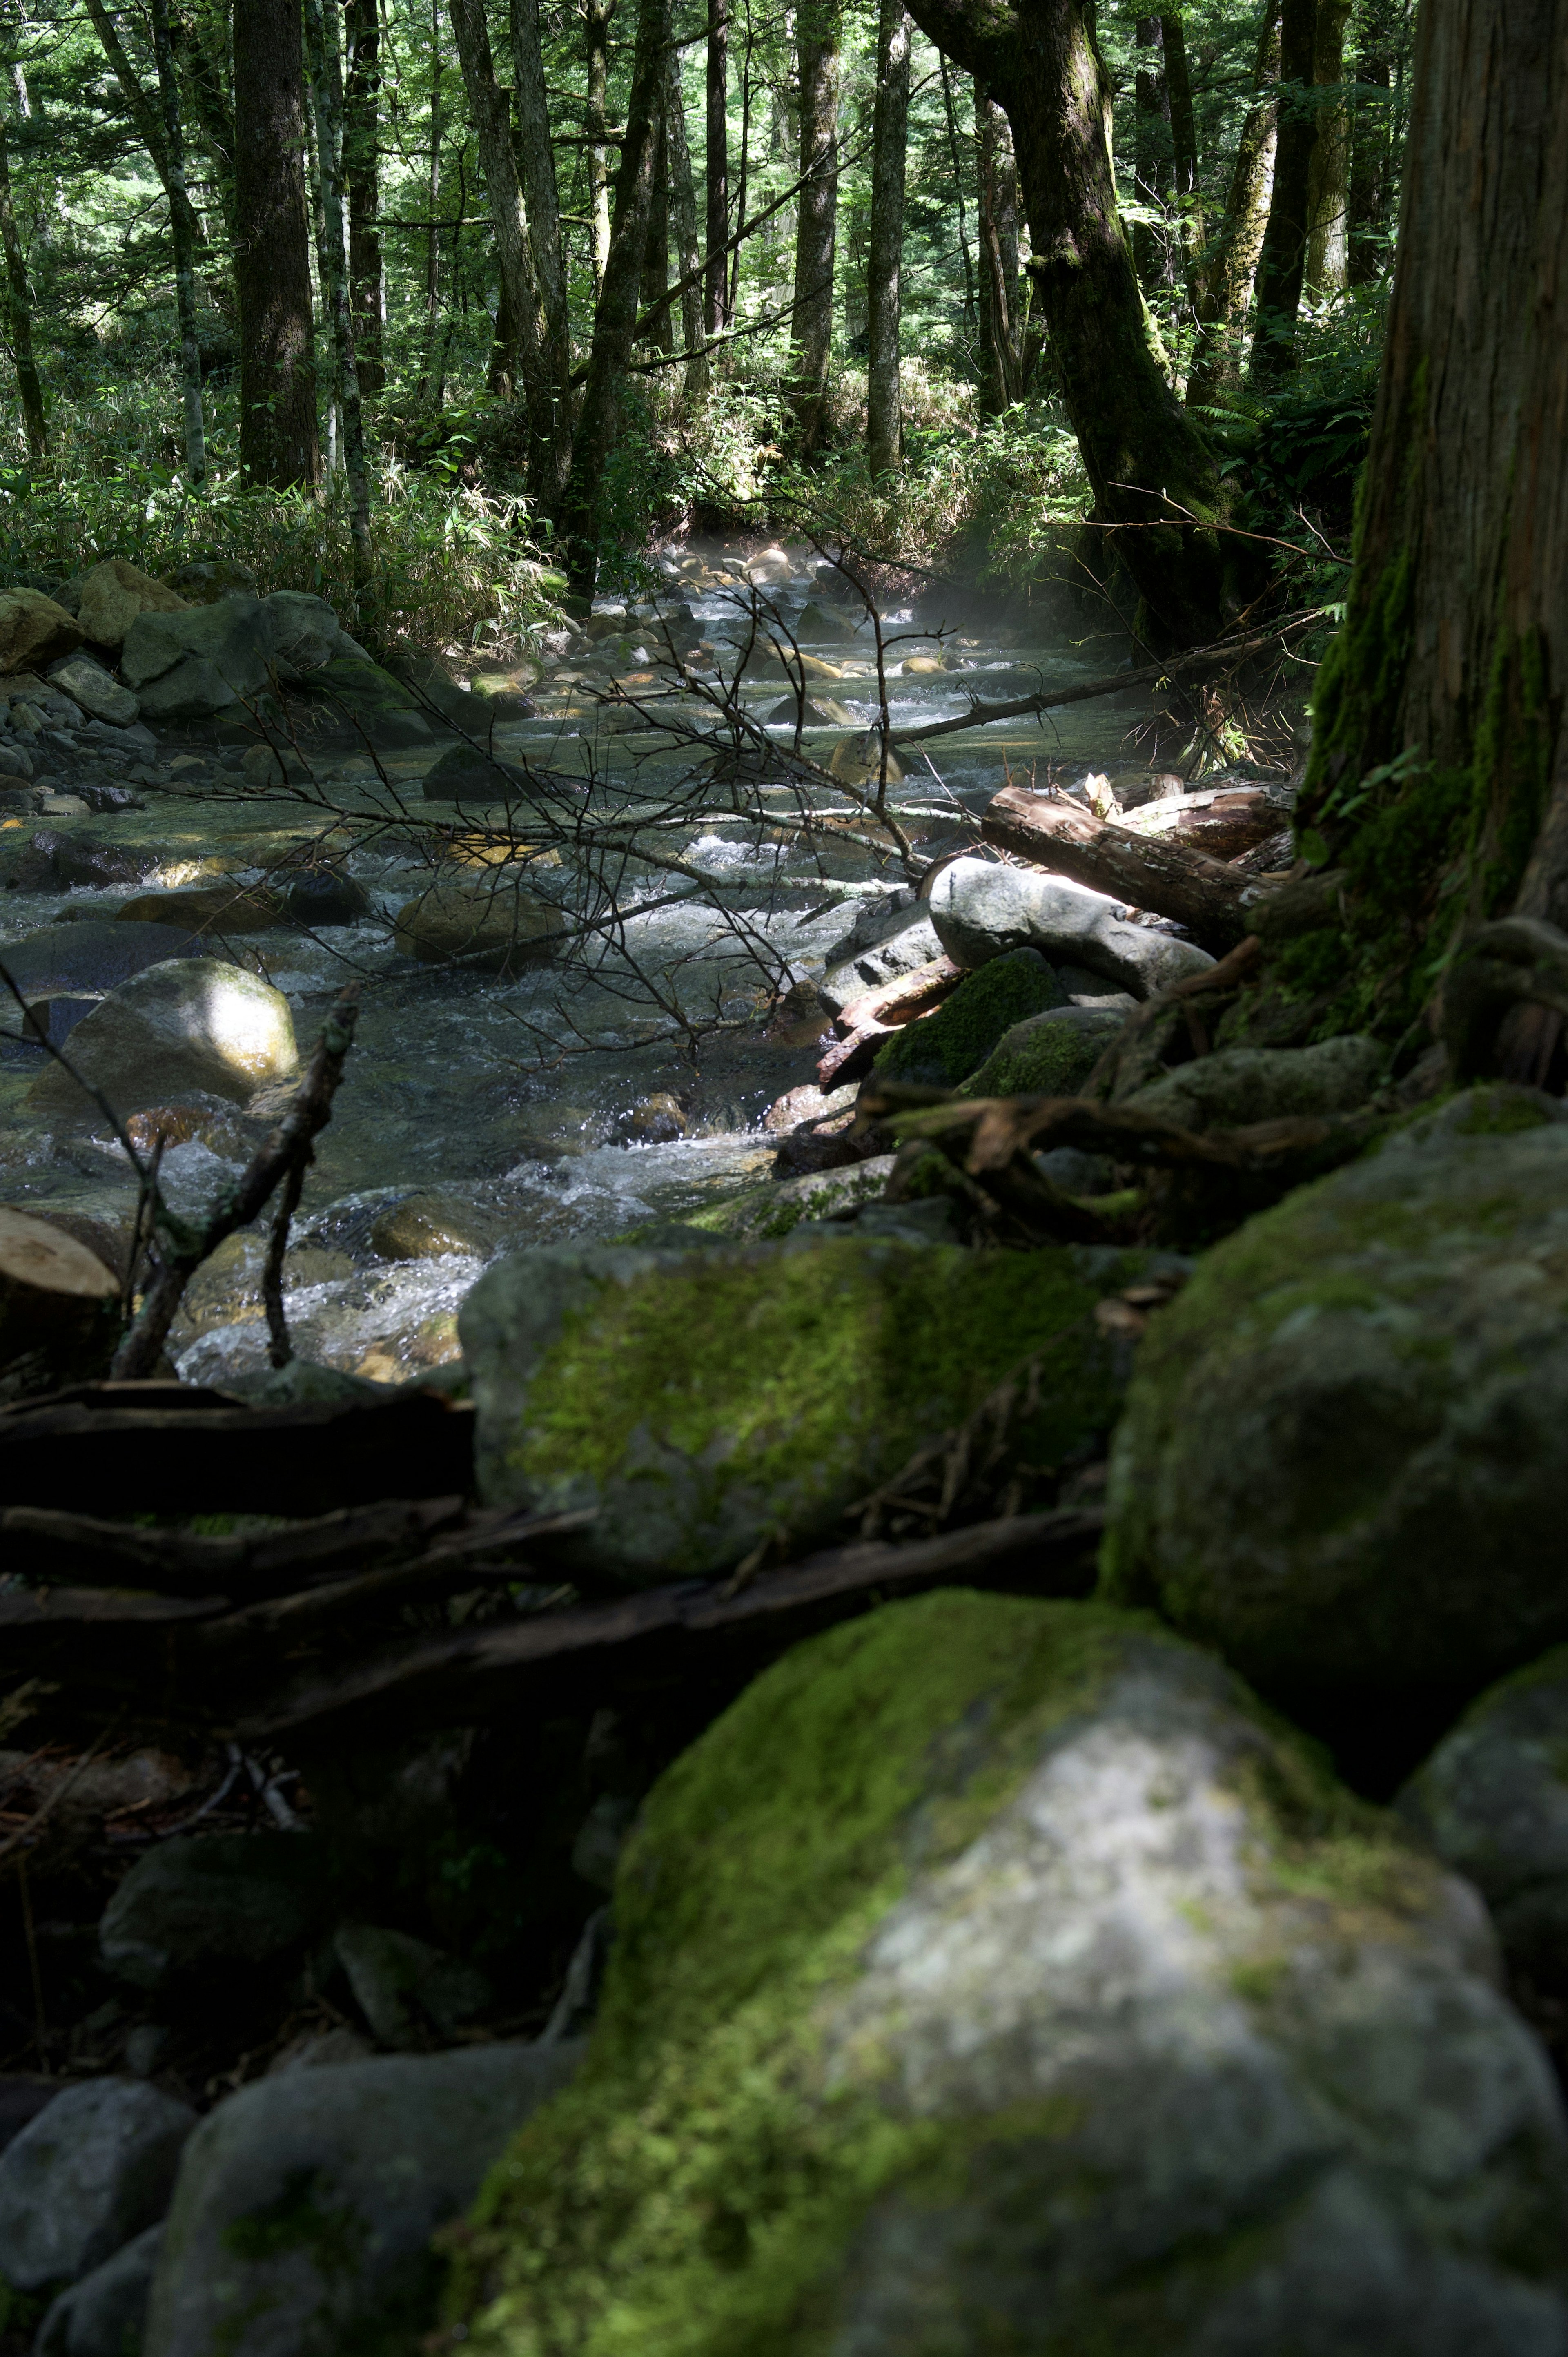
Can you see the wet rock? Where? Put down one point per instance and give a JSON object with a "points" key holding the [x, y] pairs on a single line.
{"points": [[207, 1901], [33, 630], [351, 699], [99, 696], [771, 1212], [807, 1104], [928, 667], [1050, 1055], [818, 712], [228, 1284], [272, 765], [303, 2217], [857, 760], [90, 2170], [466, 774], [1341, 1458], [655, 1121], [103, 2316], [59, 857], [193, 1023], [1236, 1085], [82, 960], [209, 578], [60, 1308], [896, 942], [769, 567], [207, 908], [822, 625], [321, 898], [424, 1227], [610, 1377], [981, 911], [1091, 2015], [945, 1048], [112, 595], [1492, 1802], [496, 928], [411, 1995], [304, 1383]]}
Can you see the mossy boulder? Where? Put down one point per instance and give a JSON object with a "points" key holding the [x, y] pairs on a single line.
{"points": [[1237, 1085], [1050, 1055], [995, 1977], [774, 1209], [1342, 1458], [702, 1400], [947, 1047]]}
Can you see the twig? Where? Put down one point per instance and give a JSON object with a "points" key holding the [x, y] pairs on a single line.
{"points": [[280, 1349]]}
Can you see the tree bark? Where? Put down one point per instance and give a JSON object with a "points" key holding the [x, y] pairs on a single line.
{"points": [[1453, 660], [615, 321], [1154, 476], [498, 160], [362, 171], [1372, 158], [716, 293], [885, 258], [182, 227], [1152, 119], [684, 219], [1001, 312], [1185, 186], [198, 45], [816, 221], [655, 303], [1282, 265], [1223, 276], [279, 439], [19, 309], [596, 17], [1214, 902], [1328, 181], [544, 199], [327, 89]]}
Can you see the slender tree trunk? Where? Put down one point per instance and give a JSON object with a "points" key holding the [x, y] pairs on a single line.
{"points": [[616, 319], [885, 259], [683, 217], [1328, 181], [732, 300], [1371, 174], [816, 219], [955, 159], [543, 200], [596, 17], [1152, 147], [715, 291], [1001, 322], [199, 45], [1147, 459], [1454, 656], [362, 171], [432, 366], [19, 309], [1282, 265], [656, 244], [182, 227], [1183, 132], [327, 92], [1223, 275], [279, 437]]}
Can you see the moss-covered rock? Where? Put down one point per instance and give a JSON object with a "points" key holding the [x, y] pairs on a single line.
{"points": [[1342, 1458], [1237, 1085], [993, 1977], [774, 1209], [1048, 1055], [947, 1047], [700, 1401]]}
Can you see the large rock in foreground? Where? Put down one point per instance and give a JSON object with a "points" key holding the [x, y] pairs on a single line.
{"points": [[193, 1023], [1342, 1460], [702, 1400], [982, 909], [93, 2169], [992, 1977]]}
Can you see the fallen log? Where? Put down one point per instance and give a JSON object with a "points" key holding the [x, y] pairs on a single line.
{"points": [[47, 1546], [851, 1059], [902, 1000], [1213, 903], [1224, 823]]}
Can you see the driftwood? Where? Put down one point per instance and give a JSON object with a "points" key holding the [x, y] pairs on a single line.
{"points": [[1214, 902], [1223, 821], [213, 1456], [902, 1000]]}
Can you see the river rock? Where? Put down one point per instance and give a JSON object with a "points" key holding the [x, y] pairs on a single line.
{"points": [[193, 1023], [33, 630], [425, 1227], [207, 908], [857, 760], [701, 1400], [496, 928], [772, 1211], [59, 1308], [199, 662], [893, 941], [1492, 1802], [994, 1975], [306, 633], [1236, 1085], [93, 2169], [1048, 1055], [102, 2315], [981, 911], [206, 580], [465, 773], [1341, 1461], [302, 2219], [822, 625], [112, 595], [945, 1048], [818, 712], [409, 1992], [322, 897], [60, 857], [208, 1901], [86, 959], [90, 685]]}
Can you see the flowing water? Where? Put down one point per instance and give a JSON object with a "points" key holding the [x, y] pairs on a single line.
{"points": [[509, 1109]]}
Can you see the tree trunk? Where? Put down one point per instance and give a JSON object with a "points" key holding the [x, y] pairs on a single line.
{"points": [[279, 440], [956, 160], [1282, 265], [1183, 132], [326, 90], [182, 226], [1328, 182], [1438, 778], [615, 321], [431, 364], [596, 17], [498, 160], [1372, 174], [1151, 251], [716, 293], [19, 309], [544, 199], [1223, 276], [684, 219], [1001, 320], [656, 244], [1148, 461], [816, 221], [361, 170], [198, 46], [885, 259]]}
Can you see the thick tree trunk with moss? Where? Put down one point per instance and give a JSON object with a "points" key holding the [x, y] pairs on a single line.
{"points": [[816, 219], [1223, 276], [1328, 177], [1438, 781], [1155, 484], [1001, 312]]}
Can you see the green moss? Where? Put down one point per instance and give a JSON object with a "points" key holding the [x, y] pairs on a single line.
{"points": [[774, 1372], [947, 1047], [1499, 1112], [1039, 1058], [333, 2240]]}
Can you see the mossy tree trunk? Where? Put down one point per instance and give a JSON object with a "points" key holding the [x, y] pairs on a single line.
{"points": [[818, 31], [362, 171], [1282, 265], [885, 258], [1438, 779], [1222, 277], [1154, 476]]}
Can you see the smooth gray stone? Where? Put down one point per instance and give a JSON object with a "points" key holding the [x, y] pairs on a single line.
{"points": [[981, 911], [206, 1900], [90, 2170], [103, 2316]]}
